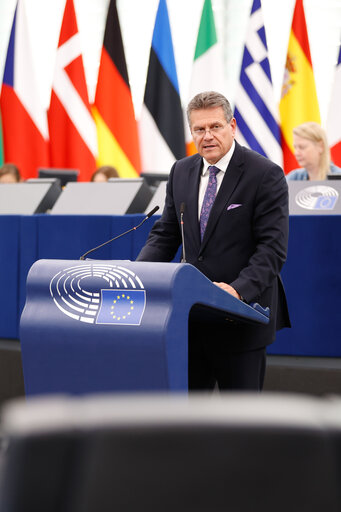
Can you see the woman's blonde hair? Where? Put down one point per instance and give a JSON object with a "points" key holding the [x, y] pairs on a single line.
{"points": [[315, 133]]}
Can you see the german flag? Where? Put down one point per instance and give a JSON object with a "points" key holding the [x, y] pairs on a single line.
{"points": [[299, 102], [113, 108]]}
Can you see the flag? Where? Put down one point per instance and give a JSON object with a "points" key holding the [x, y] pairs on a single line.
{"points": [[299, 99], [73, 142], [161, 124], [24, 121], [1, 145], [113, 109], [122, 307], [334, 116], [255, 107], [207, 71]]}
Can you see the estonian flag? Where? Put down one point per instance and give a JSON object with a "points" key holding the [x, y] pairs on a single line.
{"points": [[161, 125]]}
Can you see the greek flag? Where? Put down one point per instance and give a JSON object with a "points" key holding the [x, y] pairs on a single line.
{"points": [[255, 111]]}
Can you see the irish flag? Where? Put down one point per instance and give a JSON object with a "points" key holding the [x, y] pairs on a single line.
{"points": [[299, 99], [207, 72]]}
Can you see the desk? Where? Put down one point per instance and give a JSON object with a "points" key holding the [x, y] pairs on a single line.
{"points": [[312, 281], [311, 276]]}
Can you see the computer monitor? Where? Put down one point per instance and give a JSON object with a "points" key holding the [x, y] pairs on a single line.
{"points": [[64, 175], [153, 180]]}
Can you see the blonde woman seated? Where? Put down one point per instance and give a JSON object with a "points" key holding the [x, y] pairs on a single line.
{"points": [[312, 153]]}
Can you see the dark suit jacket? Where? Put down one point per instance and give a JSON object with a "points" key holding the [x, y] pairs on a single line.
{"points": [[245, 242]]}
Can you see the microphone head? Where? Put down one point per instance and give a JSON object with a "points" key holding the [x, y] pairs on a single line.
{"points": [[182, 208], [155, 209]]}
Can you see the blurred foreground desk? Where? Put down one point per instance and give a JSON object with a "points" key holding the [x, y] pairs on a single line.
{"points": [[311, 275]]}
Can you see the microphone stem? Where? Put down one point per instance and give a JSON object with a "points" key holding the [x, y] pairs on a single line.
{"points": [[112, 239], [155, 209], [183, 260]]}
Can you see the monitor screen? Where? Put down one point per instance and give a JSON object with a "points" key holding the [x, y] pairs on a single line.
{"points": [[64, 175], [334, 176]]}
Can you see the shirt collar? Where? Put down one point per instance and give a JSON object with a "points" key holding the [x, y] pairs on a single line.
{"points": [[222, 163]]}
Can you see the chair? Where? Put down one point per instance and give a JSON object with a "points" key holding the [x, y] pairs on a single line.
{"points": [[238, 452]]}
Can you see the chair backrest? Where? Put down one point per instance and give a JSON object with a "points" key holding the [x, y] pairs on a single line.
{"points": [[164, 453]]}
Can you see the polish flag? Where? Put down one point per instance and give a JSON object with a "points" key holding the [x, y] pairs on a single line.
{"points": [[71, 125], [24, 121]]}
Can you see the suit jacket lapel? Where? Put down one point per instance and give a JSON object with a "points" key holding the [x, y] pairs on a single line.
{"points": [[232, 176]]}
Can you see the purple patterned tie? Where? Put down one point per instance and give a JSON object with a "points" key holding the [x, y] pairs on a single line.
{"points": [[209, 198]]}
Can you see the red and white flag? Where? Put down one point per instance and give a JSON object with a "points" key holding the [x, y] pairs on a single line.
{"points": [[334, 116], [24, 120], [73, 140]]}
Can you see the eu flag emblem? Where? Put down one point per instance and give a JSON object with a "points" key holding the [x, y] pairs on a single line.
{"points": [[122, 307], [325, 202]]}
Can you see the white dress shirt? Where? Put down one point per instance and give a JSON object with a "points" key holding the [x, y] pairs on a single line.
{"points": [[205, 173]]}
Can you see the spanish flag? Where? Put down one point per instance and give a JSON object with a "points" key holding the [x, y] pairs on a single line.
{"points": [[299, 99], [1, 146], [113, 108]]}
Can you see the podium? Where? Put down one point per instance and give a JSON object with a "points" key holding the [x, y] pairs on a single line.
{"points": [[101, 326]]}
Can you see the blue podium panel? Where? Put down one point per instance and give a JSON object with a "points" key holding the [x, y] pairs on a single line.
{"points": [[312, 280], [97, 326]]}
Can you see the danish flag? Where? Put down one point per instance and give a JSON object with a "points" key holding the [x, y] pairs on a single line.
{"points": [[73, 139]]}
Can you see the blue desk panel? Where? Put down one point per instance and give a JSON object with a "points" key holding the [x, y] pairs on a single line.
{"points": [[312, 281], [9, 275], [311, 275]]}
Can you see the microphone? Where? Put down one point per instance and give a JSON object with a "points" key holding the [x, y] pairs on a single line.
{"points": [[155, 209], [182, 209]]}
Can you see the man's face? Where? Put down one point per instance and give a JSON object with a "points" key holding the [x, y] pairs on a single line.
{"points": [[212, 134]]}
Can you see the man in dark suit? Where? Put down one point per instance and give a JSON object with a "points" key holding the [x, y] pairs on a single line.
{"points": [[236, 233]]}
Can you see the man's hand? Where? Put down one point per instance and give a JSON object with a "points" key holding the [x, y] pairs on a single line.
{"points": [[229, 289]]}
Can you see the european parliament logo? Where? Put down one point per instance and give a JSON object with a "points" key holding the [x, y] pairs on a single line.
{"points": [[318, 197], [122, 307], [99, 293]]}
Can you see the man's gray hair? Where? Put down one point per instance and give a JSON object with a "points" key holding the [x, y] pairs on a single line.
{"points": [[209, 99]]}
